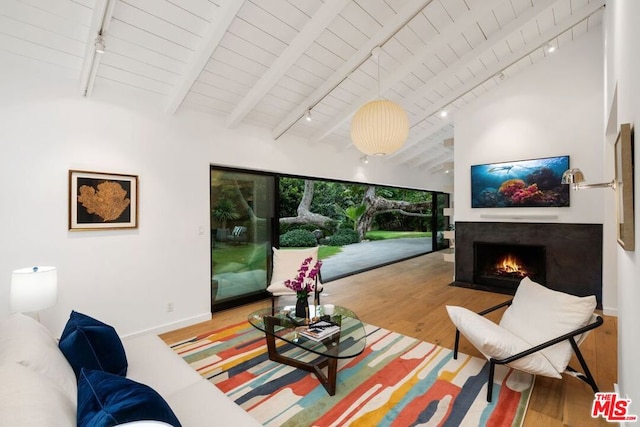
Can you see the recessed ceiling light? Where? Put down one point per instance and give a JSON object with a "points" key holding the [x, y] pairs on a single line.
{"points": [[443, 113]]}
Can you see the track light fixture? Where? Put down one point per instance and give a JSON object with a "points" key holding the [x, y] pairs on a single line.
{"points": [[364, 159], [307, 116], [549, 47], [99, 44], [443, 114]]}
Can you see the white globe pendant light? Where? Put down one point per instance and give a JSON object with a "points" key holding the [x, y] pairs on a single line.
{"points": [[379, 127]]}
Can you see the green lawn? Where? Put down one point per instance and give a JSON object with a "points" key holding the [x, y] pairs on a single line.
{"points": [[384, 235], [252, 256]]}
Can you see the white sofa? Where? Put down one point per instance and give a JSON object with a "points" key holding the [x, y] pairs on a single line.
{"points": [[195, 401], [39, 387]]}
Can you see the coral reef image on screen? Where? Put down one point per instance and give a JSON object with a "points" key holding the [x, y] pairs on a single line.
{"points": [[521, 183]]}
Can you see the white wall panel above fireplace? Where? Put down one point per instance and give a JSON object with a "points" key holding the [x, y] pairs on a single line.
{"points": [[553, 108]]}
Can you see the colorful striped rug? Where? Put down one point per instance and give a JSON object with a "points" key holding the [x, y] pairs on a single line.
{"points": [[396, 381]]}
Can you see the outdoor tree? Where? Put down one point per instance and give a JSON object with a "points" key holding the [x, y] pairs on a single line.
{"points": [[409, 203], [225, 211], [304, 214], [376, 204]]}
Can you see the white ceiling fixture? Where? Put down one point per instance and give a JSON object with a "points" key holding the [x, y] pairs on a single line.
{"points": [[96, 45], [379, 127]]}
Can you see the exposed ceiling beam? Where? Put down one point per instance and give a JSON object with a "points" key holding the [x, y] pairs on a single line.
{"points": [[534, 44], [210, 41], [311, 31], [466, 19], [102, 13], [405, 14]]}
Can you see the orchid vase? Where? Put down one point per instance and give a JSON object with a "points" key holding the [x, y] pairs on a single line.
{"points": [[302, 304]]}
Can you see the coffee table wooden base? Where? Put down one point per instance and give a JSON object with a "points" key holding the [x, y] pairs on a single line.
{"points": [[328, 381]]}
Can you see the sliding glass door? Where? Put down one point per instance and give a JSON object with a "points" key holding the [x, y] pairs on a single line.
{"points": [[242, 220]]}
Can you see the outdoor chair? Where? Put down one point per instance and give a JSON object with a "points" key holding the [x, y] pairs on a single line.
{"points": [[238, 234], [536, 334], [285, 266]]}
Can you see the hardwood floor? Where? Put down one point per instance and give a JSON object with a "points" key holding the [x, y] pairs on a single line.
{"points": [[410, 298]]}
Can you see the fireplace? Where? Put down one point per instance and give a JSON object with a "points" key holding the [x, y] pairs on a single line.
{"points": [[501, 266], [572, 258]]}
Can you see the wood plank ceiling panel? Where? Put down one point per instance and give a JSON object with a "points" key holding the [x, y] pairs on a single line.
{"points": [[144, 40], [48, 20], [47, 32], [437, 16], [74, 11], [166, 30], [327, 49]]}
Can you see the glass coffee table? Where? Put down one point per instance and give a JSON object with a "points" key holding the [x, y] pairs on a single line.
{"points": [[346, 343]]}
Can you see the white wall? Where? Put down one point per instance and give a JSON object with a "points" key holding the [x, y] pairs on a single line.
{"points": [[126, 278], [622, 41], [551, 108]]}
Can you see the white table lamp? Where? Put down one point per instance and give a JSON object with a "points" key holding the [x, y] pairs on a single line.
{"points": [[33, 289]]}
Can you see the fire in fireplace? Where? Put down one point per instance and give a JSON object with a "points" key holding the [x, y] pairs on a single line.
{"points": [[510, 266], [501, 266]]}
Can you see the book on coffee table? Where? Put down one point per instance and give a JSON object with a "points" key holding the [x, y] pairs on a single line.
{"points": [[319, 330]]}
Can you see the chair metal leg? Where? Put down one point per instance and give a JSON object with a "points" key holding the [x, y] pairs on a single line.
{"points": [[586, 376], [492, 368], [455, 345]]}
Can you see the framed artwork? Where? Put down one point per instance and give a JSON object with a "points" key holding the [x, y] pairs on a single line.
{"points": [[102, 201], [520, 183], [624, 187]]}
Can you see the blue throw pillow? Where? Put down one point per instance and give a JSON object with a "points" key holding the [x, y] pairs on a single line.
{"points": [[107, 400], [89, 343]]}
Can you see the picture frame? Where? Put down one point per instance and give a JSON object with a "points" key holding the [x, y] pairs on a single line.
{"points": [[102, 201], [624, 187], [520, 183]]}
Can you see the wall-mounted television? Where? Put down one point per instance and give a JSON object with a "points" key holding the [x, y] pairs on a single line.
{"points": [[520, 183]]}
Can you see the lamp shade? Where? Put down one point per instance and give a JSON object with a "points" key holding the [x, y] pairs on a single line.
{"points": [[572, 176], [379, 127], [33, 289]]}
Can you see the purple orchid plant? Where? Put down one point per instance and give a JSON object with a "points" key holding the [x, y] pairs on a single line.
{"points": [[306, 279]]}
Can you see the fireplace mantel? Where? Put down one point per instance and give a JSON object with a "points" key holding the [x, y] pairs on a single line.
{"points": [[573, 252]]}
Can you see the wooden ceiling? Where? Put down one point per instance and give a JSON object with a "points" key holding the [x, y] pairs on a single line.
{"points": [[267, 62]]}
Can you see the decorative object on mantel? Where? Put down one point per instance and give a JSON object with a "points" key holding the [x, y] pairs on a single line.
{"points": [[379, 127], [521, 183], [102, 201], [305, 282]]}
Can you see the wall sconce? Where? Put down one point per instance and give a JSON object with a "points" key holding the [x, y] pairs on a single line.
{"points": [[575, 178]]}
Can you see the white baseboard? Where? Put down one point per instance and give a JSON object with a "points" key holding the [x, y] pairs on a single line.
{"points": [[172, 326], [610, 311]]}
